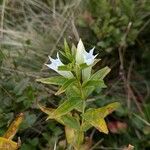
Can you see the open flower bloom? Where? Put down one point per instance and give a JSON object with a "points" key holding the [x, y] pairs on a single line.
{"points": [[85, 57], [55, 63]]}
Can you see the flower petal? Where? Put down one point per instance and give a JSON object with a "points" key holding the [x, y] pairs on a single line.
{"points": [[80, 52], [55, 63], [89, 57]]}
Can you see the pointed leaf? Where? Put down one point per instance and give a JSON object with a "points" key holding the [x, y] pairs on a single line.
{"points": [[73, 50], [108, 109], [57, 80], [96, 61], [96, 121], [96, 116], [86, 125], [67, 67], [67, 106], [48, 111], [101, 73], [72, 91], [100, 124], [95, 83], [67, 50], [65, 86], [66, 46], [70, 121], [66, 120], [101, 112]]}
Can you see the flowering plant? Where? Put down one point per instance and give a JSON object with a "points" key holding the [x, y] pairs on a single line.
{"points": [[77, 81]]}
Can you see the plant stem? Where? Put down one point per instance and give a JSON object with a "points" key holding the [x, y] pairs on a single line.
{"points": [[83, 105]]}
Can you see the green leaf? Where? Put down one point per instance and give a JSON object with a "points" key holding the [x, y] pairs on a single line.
{"points": [[100, 124], [67, 106], [65, 86], [95, 117], [96, 61], [106, 110], [57, 80], [72, 91], [67, 67], [79, 138], [73, 50], [83, 66], [67, 50], [95, 83], [96, 121], [101, 73], [86, 125], [103, 111], [88, 90], [48, 111], [66, 120], [70, 121]]}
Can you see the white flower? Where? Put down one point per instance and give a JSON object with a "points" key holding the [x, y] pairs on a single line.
{"points": [[85, 57], [55, 63], [89, 57]]}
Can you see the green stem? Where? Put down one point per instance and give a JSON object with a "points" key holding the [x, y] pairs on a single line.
{"points": [[83, 102]]}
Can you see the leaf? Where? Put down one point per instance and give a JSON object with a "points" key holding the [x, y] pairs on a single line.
{"points": [[67, 67], [67, 106], [70, 135], [73, 50], [70, 121], [90, 85], [65, 86], [57, 80], [106, 110], [67, 50], [86, 125], [10, 133], [63, 109], [48, 111], [100, 124], [74, 137], [83, 66], [100, 75], [95, 117], [103, 111], [79, 138], [96, 61], [72, 91], [95, 83], [66, 120], [88, 90], [6, 144]]}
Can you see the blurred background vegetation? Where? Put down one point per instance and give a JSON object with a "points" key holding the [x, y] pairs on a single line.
{"points": [[30, 30]]}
